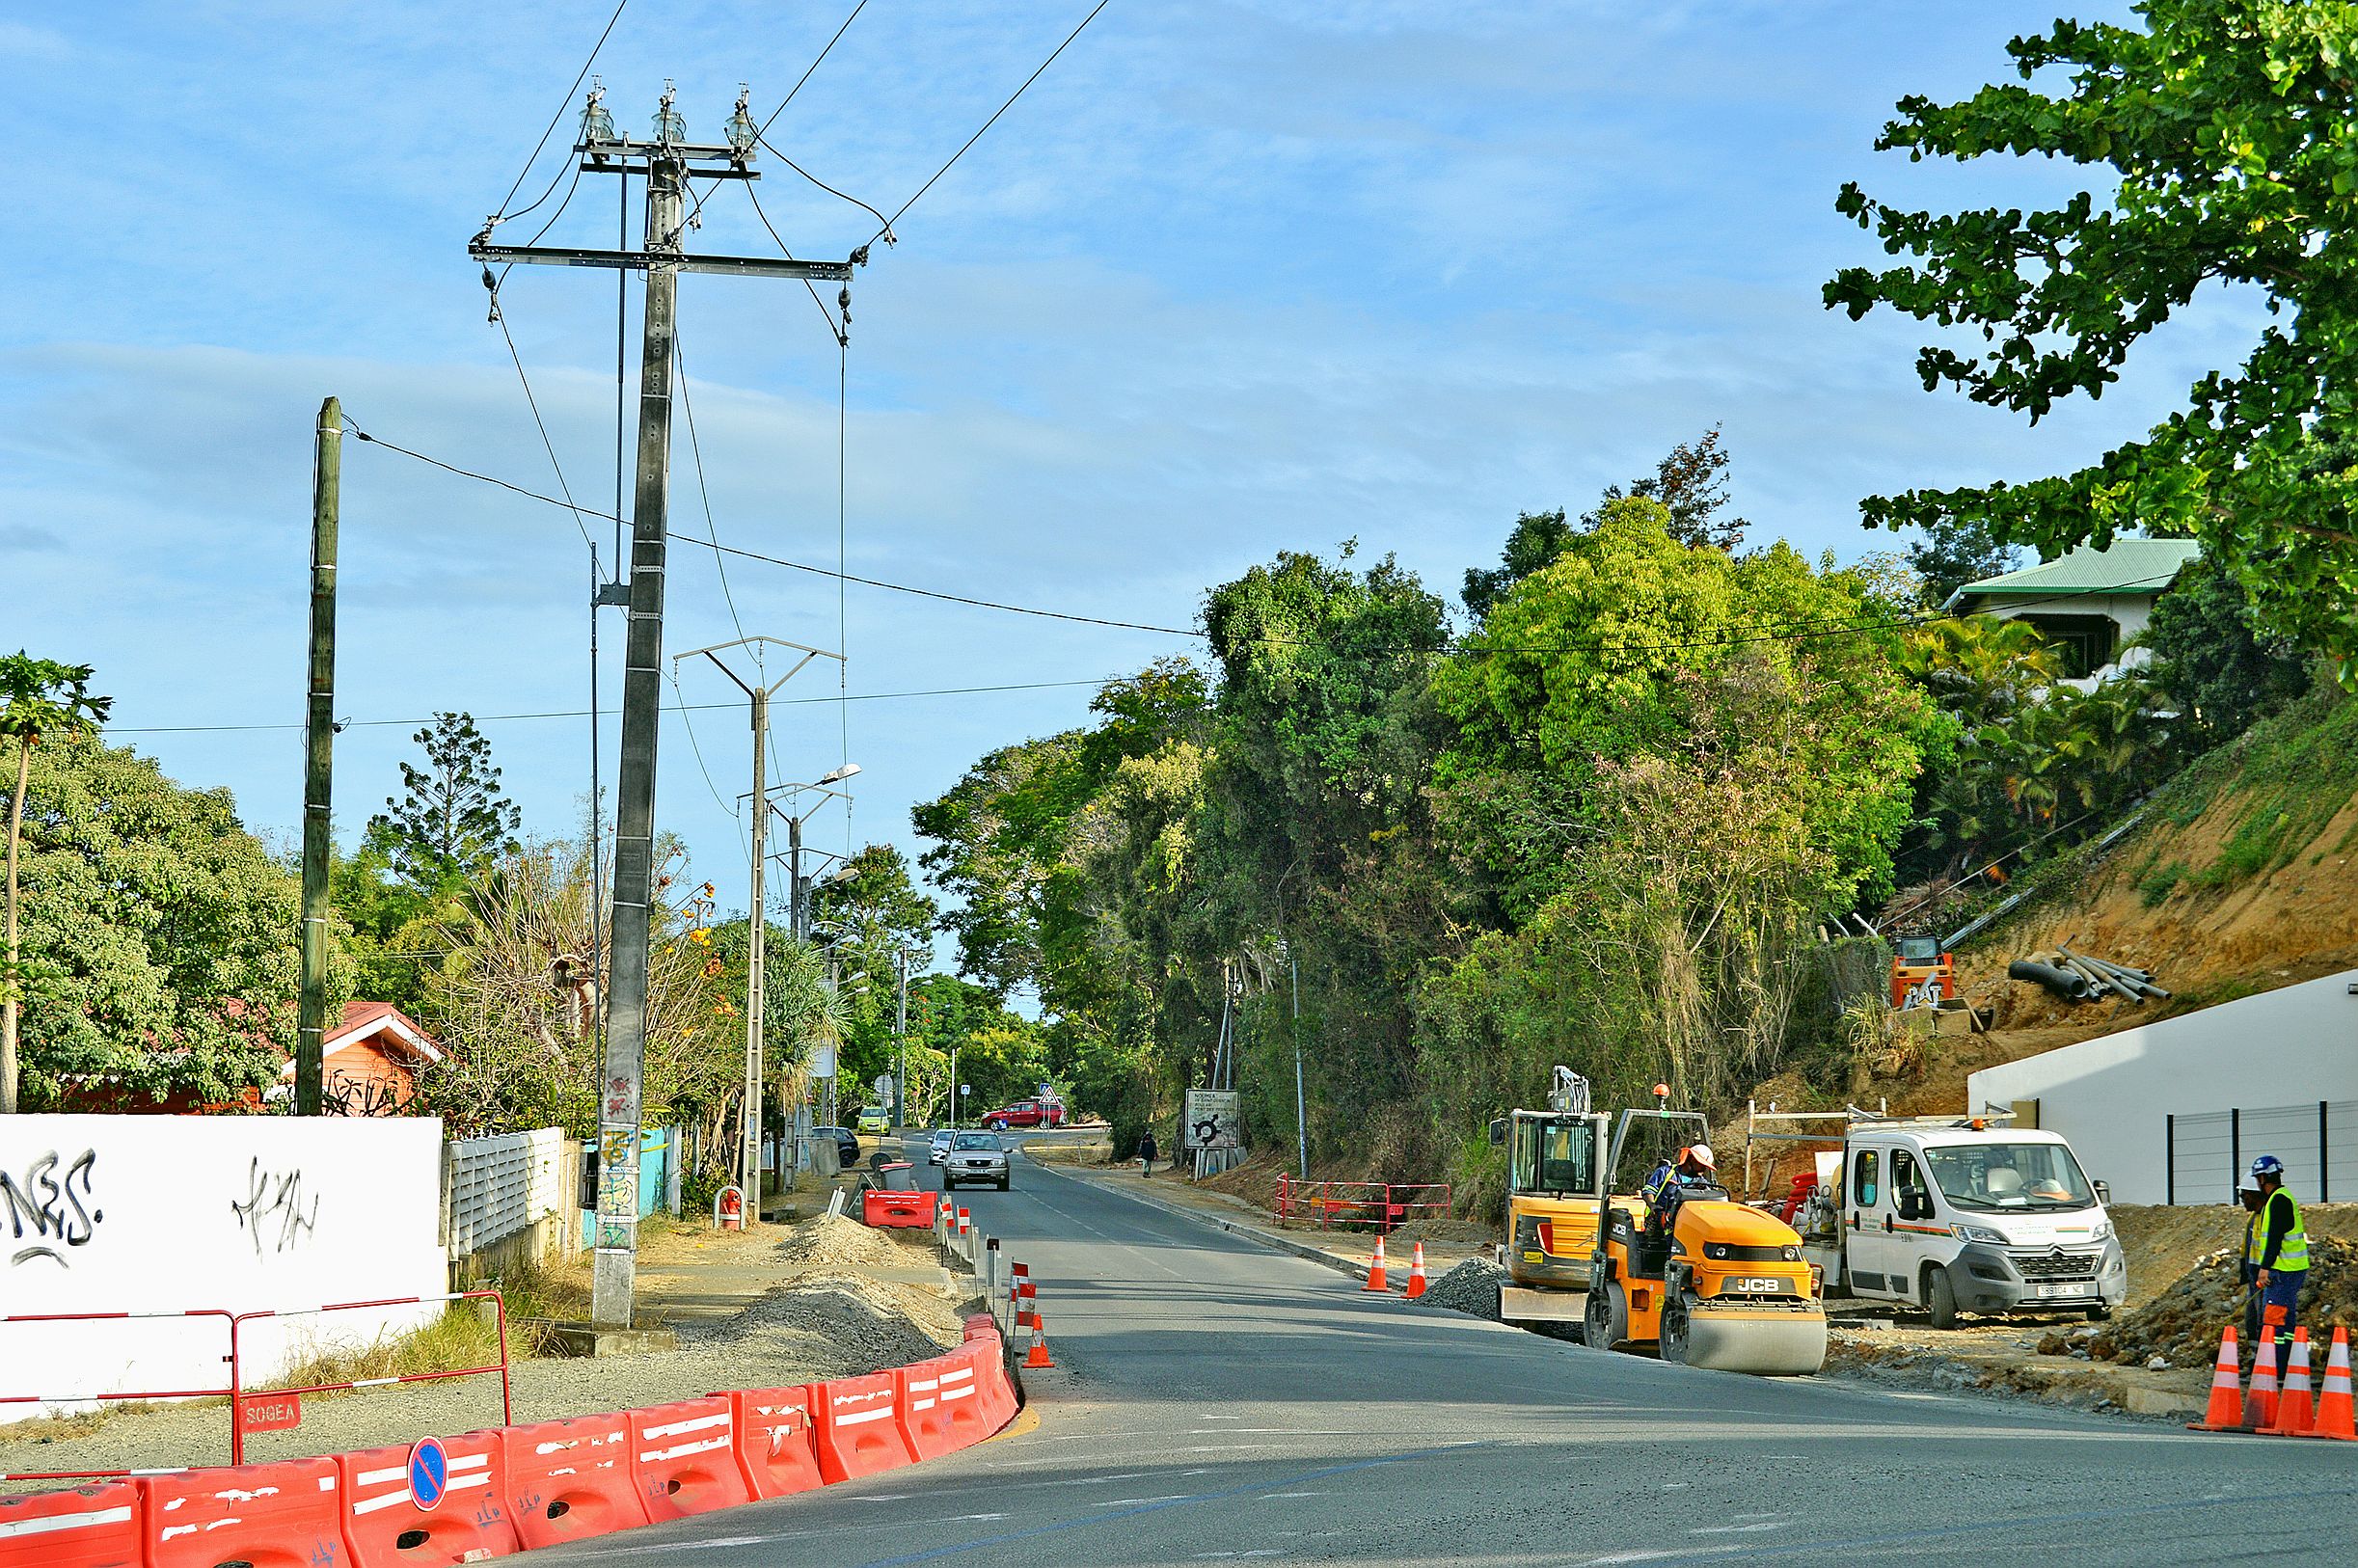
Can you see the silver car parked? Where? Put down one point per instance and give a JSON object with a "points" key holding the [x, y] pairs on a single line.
{"points": [[937, 1150], [976, 1158]]}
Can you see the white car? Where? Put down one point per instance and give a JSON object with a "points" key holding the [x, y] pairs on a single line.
{"points": [[939, 1146]]}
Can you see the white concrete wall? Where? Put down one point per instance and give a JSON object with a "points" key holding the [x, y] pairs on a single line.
{"points": [[2111, 1096], [167, 1213]]}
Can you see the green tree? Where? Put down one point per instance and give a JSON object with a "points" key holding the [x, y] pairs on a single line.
{"points": [[2223, 131], [1691, 483], [2224, 673], [159, 937], [453, 819], [45, 699], [1957, 550], [872, 912]]}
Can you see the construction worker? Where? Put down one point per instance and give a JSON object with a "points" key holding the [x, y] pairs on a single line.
{"points": [[1691, 1167], [2275, 1254]]}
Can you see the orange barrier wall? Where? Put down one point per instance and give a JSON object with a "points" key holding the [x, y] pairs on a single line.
{"points": [[686, 1458], [774, 1440]]}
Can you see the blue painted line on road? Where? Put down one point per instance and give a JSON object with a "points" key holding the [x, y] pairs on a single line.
{"points": [[1161, 1503], [1753, 1552]]}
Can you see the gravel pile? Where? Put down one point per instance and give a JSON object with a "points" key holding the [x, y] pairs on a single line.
{"points": [[832, 1239], [1472, 1287], [2183, 1323], [840, 1324]]}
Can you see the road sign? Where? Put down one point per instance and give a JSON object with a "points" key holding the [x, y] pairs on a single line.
{"points": [[430, 1474], [269, 1412], [1212, 1120]]}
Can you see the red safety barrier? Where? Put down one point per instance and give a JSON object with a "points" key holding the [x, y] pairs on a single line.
{"points": [[241, 1396], [1366, 1205], [979, 1324], [229, 1345], [856, 1426], [685, 1455], [572, 1478], [90, 1527], [995, 1389], [775, 1439], [940, 1411], [885, 1209], [286, 1515], [388, 1523]]}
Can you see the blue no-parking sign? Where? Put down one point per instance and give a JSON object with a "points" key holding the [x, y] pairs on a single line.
{"points": [[430, 1474]]}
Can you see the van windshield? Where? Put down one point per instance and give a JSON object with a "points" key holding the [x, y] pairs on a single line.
{"points": [[2009, 1177]]}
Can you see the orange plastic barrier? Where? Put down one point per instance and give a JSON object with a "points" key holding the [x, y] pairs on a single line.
{"points": [[685, 1455], [979, 1324], [570, 1479], [90, 1527], [386, 1526], [996, 1391], [941, 1409], [856, 1427], [270, 1516], [774, 1441]]}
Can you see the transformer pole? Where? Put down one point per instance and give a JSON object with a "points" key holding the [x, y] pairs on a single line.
{"points": [[667, 161], [318, 759]]}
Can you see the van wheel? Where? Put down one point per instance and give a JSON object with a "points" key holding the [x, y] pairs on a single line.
{"points": [[1941, 1297]]}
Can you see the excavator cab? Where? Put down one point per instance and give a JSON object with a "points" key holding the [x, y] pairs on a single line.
{"points": [[1710, 1280], [1554, 1182]]}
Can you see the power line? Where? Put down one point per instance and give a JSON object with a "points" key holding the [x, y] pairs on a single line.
{"points": [[499, 319], [992, 121], [562, 106], [1793, 632], [584, 712], [814, 65]]}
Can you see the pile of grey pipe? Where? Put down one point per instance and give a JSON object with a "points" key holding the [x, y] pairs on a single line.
{"points": [[2077, 977]]}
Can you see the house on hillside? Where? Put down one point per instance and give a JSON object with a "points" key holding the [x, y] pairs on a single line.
{"points": [[369, 1060], [2088, 602]]}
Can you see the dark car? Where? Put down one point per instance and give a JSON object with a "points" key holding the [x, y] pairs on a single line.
{"points": [[847, 1144]]}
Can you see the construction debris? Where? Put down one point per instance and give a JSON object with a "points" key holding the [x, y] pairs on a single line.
{"points": [[2078, 977], [1471, 1287], [2183, 1323]]}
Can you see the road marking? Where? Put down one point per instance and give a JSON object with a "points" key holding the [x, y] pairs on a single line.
{"points": [[1060, 1526], [1733, 1530], [1271, 1496]]}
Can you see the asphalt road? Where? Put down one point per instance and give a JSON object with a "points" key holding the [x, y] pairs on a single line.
{"points": [[1218, 1402]]}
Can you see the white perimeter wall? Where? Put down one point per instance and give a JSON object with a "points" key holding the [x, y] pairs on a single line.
{"points": [[165, 1213], [2111, 1096]]}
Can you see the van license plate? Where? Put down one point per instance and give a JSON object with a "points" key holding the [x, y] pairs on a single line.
{"points": [[2069, 1289]]}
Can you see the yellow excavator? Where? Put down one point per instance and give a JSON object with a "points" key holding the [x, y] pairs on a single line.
{"points": [[1721, 1285]]}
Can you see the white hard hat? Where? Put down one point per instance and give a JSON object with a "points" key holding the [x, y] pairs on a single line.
{"points": [[2250, 1184], [1702, 1155]]}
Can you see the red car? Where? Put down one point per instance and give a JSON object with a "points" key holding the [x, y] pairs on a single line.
{"points": [[1026, 1113]]}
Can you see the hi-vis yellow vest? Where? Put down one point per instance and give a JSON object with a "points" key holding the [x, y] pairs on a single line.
{"points": [[2292, 1256]]}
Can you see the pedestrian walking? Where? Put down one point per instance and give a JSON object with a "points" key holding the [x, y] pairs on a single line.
{"points": [[1147, 1152], [2275, 1255]]}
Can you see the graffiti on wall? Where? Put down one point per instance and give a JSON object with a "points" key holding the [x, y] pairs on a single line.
{"points": [[273, 1208], [57, 1211]]}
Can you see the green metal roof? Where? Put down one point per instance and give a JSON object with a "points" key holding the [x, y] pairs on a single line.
{"points": [[2125, 566]]}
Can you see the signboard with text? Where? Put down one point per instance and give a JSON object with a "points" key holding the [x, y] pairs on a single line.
{"points": [[1213, 1121]]}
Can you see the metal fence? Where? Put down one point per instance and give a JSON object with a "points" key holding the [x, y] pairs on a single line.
{"points": [[2317, 1140], [500, 1185]]}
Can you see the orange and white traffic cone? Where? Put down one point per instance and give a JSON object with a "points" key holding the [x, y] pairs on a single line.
{"points": [[2260, 1400], [1376, 1267], [2225, 1412], [2335, 1413], [2295, 1410], [1038, 1356], [1416, 1272]]}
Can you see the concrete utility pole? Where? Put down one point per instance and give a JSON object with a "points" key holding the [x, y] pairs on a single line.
{"points": [[318, 756], [900, 1030], [750, 1172], [667, 161], [798, 885]]}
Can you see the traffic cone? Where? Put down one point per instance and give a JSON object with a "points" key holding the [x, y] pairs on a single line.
{"points": [[2260, 1400], [1376, 1267], [1038, 1356], [1416, 1272], [2295, 1412], [2226, 1410], [2333, 1409]]}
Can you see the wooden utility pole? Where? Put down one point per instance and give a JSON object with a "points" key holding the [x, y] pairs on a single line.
{"points": [[318, 758], [666, 162]]}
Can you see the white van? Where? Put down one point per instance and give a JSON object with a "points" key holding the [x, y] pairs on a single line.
{"points": [[1964, 1215]]}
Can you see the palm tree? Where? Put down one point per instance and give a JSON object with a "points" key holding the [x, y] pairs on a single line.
{"points": [[43, 697]]}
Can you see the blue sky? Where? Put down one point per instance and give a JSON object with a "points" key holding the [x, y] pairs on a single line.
{"points": [[1230, 279]]}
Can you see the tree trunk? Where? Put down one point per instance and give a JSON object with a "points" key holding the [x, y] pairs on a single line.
{"points": [[7, 1009]]}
